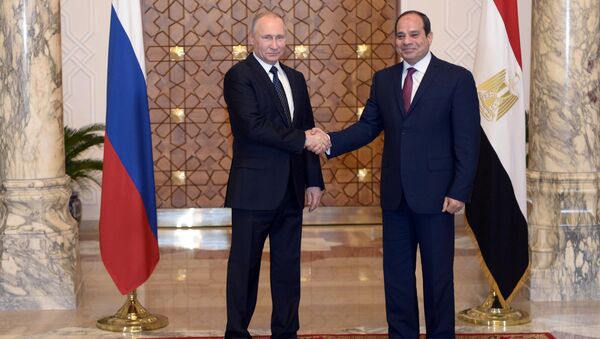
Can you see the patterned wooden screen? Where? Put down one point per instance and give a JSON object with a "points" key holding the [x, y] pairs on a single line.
{"points": [[190, 44]]}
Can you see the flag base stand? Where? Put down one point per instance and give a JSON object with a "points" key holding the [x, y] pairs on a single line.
{"points": [[132, 317], [491, 313]]}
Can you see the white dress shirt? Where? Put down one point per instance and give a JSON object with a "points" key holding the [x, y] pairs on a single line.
{"points": [[420, 67], [284, 81]]}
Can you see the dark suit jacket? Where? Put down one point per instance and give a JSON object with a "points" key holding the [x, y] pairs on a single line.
{"points": [[429, 152], [266, 151]]}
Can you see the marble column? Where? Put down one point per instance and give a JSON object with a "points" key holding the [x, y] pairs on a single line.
{"points": [[38, 237], [564, 151]]}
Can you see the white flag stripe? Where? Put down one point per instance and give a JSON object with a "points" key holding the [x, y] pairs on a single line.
{"points": [[506, 135], [130, 16]]}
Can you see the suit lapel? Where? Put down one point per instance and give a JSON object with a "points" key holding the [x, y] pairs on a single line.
{"points": [[398, 87], [267, 84]]}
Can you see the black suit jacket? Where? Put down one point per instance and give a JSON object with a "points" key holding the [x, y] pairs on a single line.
{"points": [[266, 151], [429, 152]]}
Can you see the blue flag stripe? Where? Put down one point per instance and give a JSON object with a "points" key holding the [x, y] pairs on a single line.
{"points": [[129, 131]]}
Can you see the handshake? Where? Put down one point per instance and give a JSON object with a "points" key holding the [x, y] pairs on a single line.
{"points": [[317, 141]]}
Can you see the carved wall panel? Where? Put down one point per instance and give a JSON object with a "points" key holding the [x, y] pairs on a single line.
{"points": [[190, 44], [84, 43]]}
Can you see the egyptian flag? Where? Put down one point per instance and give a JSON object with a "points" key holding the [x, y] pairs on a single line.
{"points": [[128, 241], [497, 214]]}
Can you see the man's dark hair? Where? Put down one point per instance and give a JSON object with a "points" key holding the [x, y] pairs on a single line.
{"points": [[426, 22]]}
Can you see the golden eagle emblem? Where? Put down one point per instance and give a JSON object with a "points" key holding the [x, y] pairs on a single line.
{"points": [[496, 97]]}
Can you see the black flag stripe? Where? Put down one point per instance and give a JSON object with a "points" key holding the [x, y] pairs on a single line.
{"points": [[498, 224]]}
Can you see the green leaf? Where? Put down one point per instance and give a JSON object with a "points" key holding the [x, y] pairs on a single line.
{"points": [[77, 141]]}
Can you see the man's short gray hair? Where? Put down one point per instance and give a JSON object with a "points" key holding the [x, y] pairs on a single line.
{"points": [[261, 15]]}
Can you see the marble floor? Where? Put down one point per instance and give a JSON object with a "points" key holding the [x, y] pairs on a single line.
{"points": [[342, 289]]}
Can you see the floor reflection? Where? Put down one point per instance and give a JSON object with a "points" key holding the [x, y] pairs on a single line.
{"points": [[342, 289]]}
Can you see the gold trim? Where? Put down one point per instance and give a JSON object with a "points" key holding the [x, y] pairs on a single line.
{"points": [[178, 178], [363, 51], [177, 115], [176, 53], [239, 52], [364, 175], [301, 52]]}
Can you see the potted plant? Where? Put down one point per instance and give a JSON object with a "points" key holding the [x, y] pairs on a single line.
{"points": [[81, 170]]}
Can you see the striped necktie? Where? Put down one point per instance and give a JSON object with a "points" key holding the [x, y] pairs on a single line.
{"points": [[407, 89], [281, 95]]}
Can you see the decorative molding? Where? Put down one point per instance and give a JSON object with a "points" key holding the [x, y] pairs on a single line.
{"points": [[84, 34]]}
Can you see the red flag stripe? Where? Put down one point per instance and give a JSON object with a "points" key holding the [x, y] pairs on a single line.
{"points": [[129, 253], [509, 13]]}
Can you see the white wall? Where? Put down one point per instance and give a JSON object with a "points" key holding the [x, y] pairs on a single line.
{"points": [[84, 31]]}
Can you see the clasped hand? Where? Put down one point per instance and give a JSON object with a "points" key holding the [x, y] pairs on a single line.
{"points": [[317, 141]]}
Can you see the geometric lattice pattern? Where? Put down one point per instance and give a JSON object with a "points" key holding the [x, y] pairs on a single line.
{"points": [[192, 149]]}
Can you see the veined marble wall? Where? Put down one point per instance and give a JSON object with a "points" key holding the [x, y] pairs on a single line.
{"points": [[38, 237], [31, 91], [564, 151]]}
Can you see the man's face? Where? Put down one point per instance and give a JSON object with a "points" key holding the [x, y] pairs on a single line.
{"points": [[268, 39], [411, 42]]}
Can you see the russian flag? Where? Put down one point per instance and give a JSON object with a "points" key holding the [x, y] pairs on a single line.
{"points": [[128, 230], [497, 214]]}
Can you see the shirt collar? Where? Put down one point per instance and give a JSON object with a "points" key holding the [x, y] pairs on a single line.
{"points": [[421, 65], [267, 66]]}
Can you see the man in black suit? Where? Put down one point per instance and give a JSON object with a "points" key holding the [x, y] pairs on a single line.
{"points": [[429, 111], [271, 118]]}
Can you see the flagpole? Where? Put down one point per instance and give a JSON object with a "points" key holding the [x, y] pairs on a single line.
{"points": [[127, 227], [132, 317], [492, 313], [497, 213]]}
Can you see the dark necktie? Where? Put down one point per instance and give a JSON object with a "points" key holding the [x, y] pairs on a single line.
{"points": [[407, 89], [281, 95]]}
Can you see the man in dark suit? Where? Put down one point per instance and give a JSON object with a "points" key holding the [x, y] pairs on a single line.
{"points": [[429, 111], [270, 115]]}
